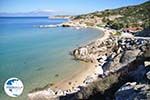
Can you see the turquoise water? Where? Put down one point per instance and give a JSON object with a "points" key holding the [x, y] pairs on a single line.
{"points": [[36, 55]]}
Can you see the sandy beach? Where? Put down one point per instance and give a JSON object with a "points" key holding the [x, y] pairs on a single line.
{"points": [[83, 76], [77, 78]]}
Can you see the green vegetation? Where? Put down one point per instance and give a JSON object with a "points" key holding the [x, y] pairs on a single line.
{"points": [[130, 16], [116, 25]]}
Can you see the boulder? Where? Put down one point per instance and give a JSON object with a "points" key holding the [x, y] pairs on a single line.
{"points": [[83, 51], [147, 51], [133, 91], [148, 75], [129, 55], [138, 74]]}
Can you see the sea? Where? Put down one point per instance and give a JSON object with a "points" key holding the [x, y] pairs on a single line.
{"points": [[37, 55]]}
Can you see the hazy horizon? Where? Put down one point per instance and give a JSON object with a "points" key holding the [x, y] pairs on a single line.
{"points": [[63, 7]]}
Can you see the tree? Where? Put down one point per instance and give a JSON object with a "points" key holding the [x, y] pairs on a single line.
{"points": [[146, 24], [117, 26], [105, 20]]}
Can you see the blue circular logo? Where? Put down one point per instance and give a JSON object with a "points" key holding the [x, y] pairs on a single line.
{"points": [[13, 87]]}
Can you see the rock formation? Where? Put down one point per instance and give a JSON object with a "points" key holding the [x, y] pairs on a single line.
{"points": [[133, 91]]}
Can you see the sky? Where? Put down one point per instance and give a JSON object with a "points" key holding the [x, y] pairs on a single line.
{"points": [[63, 6]]}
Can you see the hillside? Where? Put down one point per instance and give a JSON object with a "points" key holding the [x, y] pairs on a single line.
{"points": [[130, 16]]}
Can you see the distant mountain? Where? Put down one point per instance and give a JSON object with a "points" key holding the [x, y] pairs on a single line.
{"points": [[30, 14]]}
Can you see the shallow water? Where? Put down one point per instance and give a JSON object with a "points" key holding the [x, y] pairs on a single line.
{"points": [[36, 55]]}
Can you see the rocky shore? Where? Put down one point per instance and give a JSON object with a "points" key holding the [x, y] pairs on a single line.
{"points": [[115, 57], [123, 55], [122, 60], [70, 84]]}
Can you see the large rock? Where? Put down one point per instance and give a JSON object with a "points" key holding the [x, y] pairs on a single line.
{"points": [[148, 75], [133, 91], [138, 74], [83, 54], [129, 55], [143, 33], [80, 52], [147, 52]]}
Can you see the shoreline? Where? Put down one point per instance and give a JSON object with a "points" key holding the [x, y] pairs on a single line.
{"points": [[77, 78], [96, 52], [74, 77], [90, 66]]}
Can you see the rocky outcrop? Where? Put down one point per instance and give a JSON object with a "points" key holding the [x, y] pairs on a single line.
{"points": [[139, 89], [91, 51], [138, 74], [147, 52], [113, 47], [133, 91], [144, 33], [129, 83], [124, 63], [82, 53], [148, 75]]}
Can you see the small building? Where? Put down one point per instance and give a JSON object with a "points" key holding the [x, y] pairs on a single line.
{"points": [[132, 29]]}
